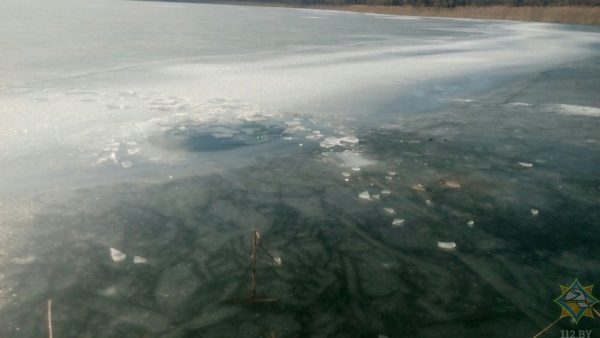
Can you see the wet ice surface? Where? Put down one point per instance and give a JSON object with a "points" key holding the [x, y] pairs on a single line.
{"points": [[416, 177]]}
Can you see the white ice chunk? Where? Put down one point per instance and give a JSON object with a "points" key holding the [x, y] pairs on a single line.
{"points": [[350, 139], [446, 245], [452, 184], [526, 164], [418, 187], [398, 222], [330, 142], [535, 212], [390, 211], [139, 260], [109, 291], [364, 195], [571, 109], [385, 192], [471, 223], [116, 255]]}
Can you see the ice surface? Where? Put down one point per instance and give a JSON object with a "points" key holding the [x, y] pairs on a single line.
{"points": [[570, 109], [170, 130]]}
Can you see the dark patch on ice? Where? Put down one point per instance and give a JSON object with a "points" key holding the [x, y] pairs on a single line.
{"points": [[217, 137]]}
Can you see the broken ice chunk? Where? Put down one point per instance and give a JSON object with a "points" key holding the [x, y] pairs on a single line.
{"points": [[452, 184], [446, 245], [330, 142], [126, 164], [277, 261], [316, 134], [139, 260], [350, 139], [109, 291], [385, 192], [356, 168], [390, 211], [526, 164], [418, 187], [365, 195], [470, 223], [392, 173], [428, 203], [398, 222], [346, 174], [535, 212], [116, 255], [389, 178]]}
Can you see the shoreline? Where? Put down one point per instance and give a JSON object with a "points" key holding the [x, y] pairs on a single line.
{"points": [[564, 15], [582, 15]]}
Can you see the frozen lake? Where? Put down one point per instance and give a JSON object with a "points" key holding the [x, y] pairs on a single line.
{"points": [[356, 144]]}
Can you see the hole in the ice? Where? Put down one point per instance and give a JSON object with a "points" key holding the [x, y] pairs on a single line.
{"points": [[217, 137]]}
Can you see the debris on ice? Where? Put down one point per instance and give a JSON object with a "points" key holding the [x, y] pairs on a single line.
{"points": [[446, 245], [116, 255]]}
